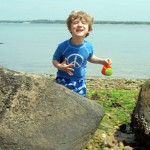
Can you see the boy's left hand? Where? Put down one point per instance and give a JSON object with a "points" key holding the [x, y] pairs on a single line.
{"points": [[108, 61]]}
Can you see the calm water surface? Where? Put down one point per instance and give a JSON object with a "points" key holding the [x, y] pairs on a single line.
{"points": [[29, 48]]}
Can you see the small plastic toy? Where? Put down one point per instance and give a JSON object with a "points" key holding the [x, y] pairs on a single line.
{"points": [[107, 70]]}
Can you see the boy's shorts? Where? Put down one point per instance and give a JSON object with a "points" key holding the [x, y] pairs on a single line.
{"points": [[78, 86]]}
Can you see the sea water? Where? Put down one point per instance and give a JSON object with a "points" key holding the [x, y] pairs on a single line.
{"points": [[30, 47]]}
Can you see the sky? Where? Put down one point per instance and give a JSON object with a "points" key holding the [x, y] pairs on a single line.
{"points": [[101, 10]]}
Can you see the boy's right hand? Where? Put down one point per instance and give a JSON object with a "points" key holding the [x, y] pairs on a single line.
{"points": [[67, 68]]}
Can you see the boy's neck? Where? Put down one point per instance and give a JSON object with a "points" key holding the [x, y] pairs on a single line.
{"points": [[77, 41]]}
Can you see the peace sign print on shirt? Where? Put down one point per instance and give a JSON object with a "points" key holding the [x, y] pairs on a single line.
{"points": [[75, 59]]}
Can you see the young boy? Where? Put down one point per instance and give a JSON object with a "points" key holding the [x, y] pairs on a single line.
{"points": [[71, 56]]}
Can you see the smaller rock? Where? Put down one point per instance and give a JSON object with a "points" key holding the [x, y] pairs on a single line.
{"points": [[121, 145], [127, 148]]}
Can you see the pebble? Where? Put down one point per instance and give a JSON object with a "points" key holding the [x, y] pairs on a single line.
{"points": [[127, 148]]}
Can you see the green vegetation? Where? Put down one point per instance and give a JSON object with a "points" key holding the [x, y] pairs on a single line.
{"points": [[118, 105]]}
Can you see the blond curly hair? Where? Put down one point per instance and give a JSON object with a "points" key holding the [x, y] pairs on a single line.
{"points": [[82, 15]]}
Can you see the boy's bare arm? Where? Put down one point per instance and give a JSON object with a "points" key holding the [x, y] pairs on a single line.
{"points": [[96, 60]]}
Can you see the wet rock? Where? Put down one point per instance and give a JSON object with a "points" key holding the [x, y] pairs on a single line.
{"points": [[38, 114], [140, 121]]}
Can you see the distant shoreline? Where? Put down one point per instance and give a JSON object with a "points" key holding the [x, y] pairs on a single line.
{"points": [[40, 21]]}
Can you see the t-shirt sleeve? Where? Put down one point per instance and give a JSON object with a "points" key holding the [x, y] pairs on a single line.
{"points": [[90, 54], [90, 49], [57, 54]]}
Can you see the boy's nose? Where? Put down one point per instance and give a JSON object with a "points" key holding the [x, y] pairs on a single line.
{"points": [[80, 23]]}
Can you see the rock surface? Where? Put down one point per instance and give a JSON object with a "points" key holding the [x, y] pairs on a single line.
{"points": [[38, 114], [140, 121]]}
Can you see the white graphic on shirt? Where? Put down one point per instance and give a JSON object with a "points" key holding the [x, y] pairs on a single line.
{"points": [[75, 59]]}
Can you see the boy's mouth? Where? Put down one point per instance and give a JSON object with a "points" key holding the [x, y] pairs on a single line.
{"points": [[79, 30]]}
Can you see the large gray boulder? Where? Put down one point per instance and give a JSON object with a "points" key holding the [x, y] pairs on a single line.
{"points": [[38, 114], [140, 121]]}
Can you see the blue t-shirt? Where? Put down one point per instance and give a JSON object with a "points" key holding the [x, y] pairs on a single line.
{"points": [[75, 54]]}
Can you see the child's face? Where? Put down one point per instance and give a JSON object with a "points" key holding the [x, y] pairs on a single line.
{"points": [[79, 27]]}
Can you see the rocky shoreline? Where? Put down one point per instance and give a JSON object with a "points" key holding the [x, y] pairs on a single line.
{"points": [[122, 138], [121, 83], [28, 100]]}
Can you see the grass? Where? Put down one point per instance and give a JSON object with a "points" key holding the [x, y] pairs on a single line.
{"points": [[118, 105]]}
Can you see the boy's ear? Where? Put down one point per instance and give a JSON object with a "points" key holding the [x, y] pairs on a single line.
{"points": [[89, 32], [70, 31]]}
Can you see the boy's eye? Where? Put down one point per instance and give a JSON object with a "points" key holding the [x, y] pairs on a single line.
{"points": [[76, 22], [83, 22]]}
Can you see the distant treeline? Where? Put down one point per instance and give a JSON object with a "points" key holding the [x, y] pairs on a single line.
{"points": [[63, 21]]}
